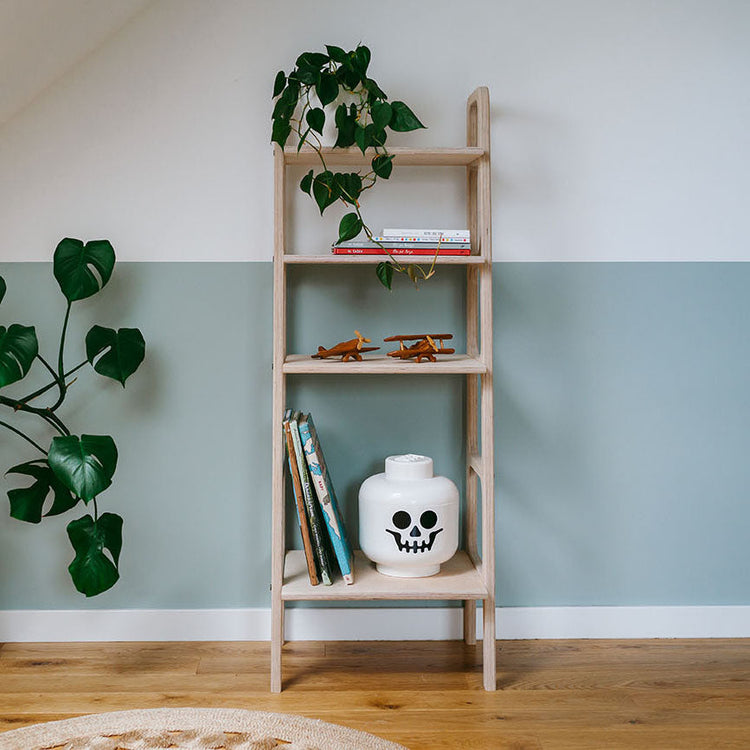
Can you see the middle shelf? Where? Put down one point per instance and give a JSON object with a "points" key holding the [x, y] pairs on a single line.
{"points": [[450, 364]]}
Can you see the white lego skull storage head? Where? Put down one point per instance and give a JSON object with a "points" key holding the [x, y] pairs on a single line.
{"points": [[408, 518]]}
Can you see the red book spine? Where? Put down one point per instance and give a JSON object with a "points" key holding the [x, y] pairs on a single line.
{"points": [[400, 251]]}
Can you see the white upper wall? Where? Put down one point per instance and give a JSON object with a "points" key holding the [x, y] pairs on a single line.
{"points": [[41, 39], [620, 127]]}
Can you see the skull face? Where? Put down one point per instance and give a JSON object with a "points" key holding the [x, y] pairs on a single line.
{"points": [[414, 535]]}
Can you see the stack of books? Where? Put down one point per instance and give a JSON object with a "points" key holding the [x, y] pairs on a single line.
{"points": [[410, 242], [324, 538]]}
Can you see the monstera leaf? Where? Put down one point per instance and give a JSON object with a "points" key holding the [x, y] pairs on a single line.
{"points": [[82, 270], [124, 351], [26, 503], [84, 465], [92, 570], [3, 288], [18, 348]]}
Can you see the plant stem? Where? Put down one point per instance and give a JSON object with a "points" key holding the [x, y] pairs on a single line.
{"points": [[25, 437], [57, 423], [60, 358], [46, 388], [45, 414], [47, 365]]}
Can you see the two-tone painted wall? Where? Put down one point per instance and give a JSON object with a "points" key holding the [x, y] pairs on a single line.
{"points": [[620, 189]]}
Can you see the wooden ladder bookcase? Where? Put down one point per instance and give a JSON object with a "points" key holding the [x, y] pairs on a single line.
{"points": [[470, 576]]}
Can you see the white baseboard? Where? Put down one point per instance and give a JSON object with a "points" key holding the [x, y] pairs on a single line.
{"points": [[433, 623]]}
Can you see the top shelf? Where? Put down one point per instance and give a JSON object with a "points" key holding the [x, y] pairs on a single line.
{"points": [[409, 157]]}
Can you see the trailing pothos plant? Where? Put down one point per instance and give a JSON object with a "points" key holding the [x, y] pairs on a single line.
{"points": [[337, 81], [71, 468]]}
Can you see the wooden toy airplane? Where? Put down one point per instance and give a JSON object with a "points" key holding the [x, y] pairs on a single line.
{"points": [[425, 346], [347, 350]]}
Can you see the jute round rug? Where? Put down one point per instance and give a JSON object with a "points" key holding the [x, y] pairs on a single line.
{"points": [[191, 729]]}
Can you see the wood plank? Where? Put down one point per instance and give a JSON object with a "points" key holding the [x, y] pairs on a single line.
{"points": [[458, 579], [342, 260], [425, 695], [278, 405], [403, 156], [449, 364]]}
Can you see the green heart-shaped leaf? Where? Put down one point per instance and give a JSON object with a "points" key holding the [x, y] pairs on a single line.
{"points": [[306, 183], [349, 186], [360, 137], [26, 503], [336, 53], [84, 465], [279, 83], [349, 227], [374, 92], [91, 570], [18, 348], [381, 114], [361, 60], [403, 119], [82, 270], [346, 75], [119, 352], [384, 273], [325, 190], [280, 131], [316, 119], [328, 88], [375, 136], [346, 123], [3, 288], [283, 109], [312, 60], [382, 166], [308, 76]]}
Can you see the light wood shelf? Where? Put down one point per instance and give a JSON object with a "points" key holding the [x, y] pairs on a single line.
{"points": [[449, 364], [403, 157], [424, 260], [469, 576], [458, 579]]}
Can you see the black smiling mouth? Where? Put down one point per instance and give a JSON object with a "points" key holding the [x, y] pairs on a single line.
{"points": [[415, 546]]}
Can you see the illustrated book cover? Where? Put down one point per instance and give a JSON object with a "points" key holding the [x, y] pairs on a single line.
{"points": [[327, 497]]}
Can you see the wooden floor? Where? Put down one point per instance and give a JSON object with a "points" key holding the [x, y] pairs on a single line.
{"points": [[682, 694]]}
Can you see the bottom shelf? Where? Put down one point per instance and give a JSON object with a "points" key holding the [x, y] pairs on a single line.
{"points": [[458, 579]]}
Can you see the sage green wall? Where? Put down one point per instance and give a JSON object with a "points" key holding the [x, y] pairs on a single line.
{"points": [[621, 405]]}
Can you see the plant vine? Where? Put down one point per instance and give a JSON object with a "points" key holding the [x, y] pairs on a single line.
{"points": [[337, 81], [72, 468]]}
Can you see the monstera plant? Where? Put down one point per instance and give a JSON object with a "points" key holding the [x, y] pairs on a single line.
{"points": [[338, 82], [71, 468]]}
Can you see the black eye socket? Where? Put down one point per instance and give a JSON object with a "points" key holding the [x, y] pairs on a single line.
{"points": [[428, 519], [401, 519]]}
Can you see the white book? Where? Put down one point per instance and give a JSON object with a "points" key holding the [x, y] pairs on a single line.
{"points": [[417, 239], [432, 233]]}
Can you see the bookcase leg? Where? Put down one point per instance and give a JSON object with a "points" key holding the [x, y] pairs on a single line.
{"points": [[488, 645], [470, 622], [277, 640]]}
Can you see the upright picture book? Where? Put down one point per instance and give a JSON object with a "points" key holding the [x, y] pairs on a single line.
{"points": [[326, 495], [315, 539]]}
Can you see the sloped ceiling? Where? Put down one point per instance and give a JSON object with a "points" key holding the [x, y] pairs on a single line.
{"points": [[40, 40]]}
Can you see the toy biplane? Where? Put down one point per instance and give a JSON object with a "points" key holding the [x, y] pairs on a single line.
{"points": [[425, 346], [347, 350]]}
